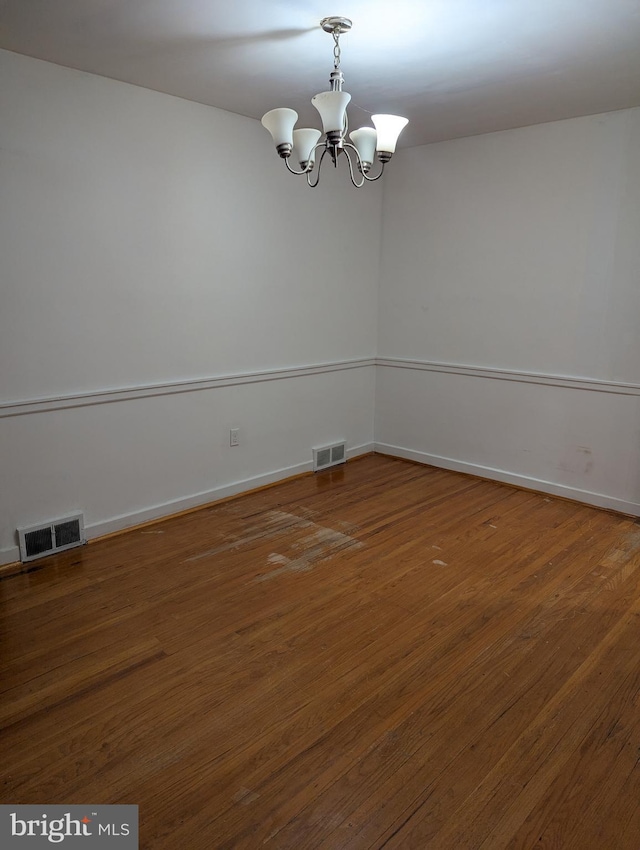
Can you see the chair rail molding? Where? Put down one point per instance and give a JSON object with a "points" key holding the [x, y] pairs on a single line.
{"points": [[106, 396], [567, 381]]}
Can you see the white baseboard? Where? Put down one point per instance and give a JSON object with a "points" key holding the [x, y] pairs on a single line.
{"points": [[166, 509], [9, 556], [599, 500], [176, 506]]}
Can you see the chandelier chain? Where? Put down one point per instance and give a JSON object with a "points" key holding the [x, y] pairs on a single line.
{"points": [[336, 50]]}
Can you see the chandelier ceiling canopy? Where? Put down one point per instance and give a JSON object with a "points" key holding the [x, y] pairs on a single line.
{"points": [[302, 144]]}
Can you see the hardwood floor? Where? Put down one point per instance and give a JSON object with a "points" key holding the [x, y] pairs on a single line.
{"points": [[384, 655]]}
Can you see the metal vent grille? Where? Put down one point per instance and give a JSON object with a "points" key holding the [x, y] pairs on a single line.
{"points": [[323, 457], [40, 540], [67, 533], [329, 456], [337, 453]]}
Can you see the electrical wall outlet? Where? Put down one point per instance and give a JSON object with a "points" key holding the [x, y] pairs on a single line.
{"points": [[234, 437]]}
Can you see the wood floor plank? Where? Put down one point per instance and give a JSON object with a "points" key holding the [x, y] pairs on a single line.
{"points": [[456, 690], [464, 738], [381, 655]]}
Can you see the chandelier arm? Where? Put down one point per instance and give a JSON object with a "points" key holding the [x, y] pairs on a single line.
{"points": [[351, 174], [366, 177], [378, 175], [293, 171], [313, 185]]}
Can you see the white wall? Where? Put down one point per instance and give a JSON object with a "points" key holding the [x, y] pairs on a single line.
{"points": [[510, 268], [147, 240], [163, 280]]}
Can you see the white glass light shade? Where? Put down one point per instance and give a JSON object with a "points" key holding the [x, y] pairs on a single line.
{"points": [[331, 105], [365, 141], [389, 128], [304, 142], [280, 123]]}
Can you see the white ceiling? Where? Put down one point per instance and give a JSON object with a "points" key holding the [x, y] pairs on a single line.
{"points": [[453, 67]]}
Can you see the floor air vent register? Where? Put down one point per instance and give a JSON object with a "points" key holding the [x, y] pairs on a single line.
{"points": [[40, 540], [329, 456]]}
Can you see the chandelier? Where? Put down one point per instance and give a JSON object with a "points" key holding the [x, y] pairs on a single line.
{"points": [[302, 144]]}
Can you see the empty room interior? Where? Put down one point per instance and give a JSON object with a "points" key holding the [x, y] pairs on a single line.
{"points": [[320, 490]]}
